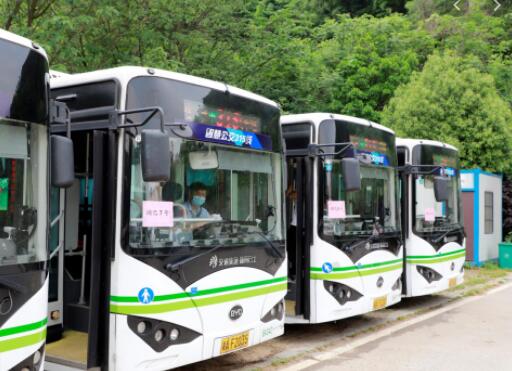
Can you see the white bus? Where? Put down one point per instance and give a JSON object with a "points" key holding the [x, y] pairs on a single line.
{"points": [[173, 237], [343, 243], [24, 144], [432, 225]]}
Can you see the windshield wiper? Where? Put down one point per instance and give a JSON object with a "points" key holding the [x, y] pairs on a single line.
{"points": [[270, 242], [439, 238], [175, 266], [373, 237], [12, 284]]}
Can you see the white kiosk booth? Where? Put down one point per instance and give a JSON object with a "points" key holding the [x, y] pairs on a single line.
{"points": [[482, 205]]}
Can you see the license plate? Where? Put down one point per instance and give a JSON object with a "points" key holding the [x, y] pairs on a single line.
{"points": [[379, 303], [234, 342], [452, 282]]}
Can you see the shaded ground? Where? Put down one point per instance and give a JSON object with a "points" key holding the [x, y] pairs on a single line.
{"points": [[301, 340]]}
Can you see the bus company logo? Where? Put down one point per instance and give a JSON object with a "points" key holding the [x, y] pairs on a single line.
{"points": [[236, 312], [146, 295], [327, 267], [216, 262]]}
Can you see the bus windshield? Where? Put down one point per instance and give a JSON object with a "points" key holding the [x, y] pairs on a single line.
{"points": [[23, 192], [23, 83], [433, 216], [369, 211], [216, 195]]}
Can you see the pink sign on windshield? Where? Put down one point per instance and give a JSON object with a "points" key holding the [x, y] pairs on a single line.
{"points": [[157, 214], [336, 210], [430, 214]]}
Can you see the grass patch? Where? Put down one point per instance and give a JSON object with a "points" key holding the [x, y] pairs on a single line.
{"points": [[280, 361]]}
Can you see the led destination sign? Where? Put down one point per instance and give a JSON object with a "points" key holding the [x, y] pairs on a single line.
{"points": [[444, 161], [368, 150], [221, 117], [368, 144]]}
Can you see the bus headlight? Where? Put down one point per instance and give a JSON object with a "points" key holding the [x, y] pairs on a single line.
{"points": [[32, 362], [175, 333], [142, 326], [37, 357], [160, 335], [342, 293], [276, 312], [428, 273]]}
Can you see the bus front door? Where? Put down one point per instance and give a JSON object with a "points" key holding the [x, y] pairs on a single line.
{"points": [[81, 242]]}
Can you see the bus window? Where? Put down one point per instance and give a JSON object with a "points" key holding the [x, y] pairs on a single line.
{"points": [[22, 193], [235, 202]]}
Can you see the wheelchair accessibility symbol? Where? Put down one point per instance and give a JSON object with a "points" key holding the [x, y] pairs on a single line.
{"points": [[327, 267], [146, 295]]}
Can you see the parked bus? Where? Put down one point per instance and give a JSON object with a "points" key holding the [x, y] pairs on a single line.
{"points": [[432, 225], [173, 243], [24, 144], [344, 244]]}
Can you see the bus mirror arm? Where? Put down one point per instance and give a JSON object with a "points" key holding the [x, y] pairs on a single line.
{"points": [[116, 115], [419, 169], [60, 115], [155, 147], [317, 149], [61, 148]]}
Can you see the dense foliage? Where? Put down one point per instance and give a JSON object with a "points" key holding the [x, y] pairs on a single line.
{"points": [[421, 66]]}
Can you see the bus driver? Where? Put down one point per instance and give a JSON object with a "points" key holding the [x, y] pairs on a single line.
{"points": [[197, 198]]}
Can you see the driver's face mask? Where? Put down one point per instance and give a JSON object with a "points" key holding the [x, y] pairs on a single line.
{"points": [[198, 200]]}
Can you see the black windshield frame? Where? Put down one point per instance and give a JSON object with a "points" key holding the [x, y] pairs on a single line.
{"points": [[170, 95], [24, 83], [426, 158], [343, 132]]}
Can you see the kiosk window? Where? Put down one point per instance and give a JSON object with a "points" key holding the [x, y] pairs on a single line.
{"points": [[489, 213]]}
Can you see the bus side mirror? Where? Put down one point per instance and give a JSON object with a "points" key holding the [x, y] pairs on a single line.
{"points": [[351, 174], [62, 161], [155, 156], [441, 188]]}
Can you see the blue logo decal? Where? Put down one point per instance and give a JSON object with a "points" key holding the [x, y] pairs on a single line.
{"points": [[449, 171], [327, 267], [193, 290], [146, 295], [378, 158]]}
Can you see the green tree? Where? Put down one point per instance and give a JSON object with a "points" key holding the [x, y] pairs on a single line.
{"points": [[361, 61], [451, 101]]}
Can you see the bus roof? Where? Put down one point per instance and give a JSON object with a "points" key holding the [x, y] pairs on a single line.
{"points": [[22, 41], [126, 73], [317, 117], [410, 143]]}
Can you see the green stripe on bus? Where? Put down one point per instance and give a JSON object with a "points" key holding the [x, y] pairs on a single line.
{"points": [[355, 267], [182, 295], [437, 255], [192, 302], [23, 328], [22, 341], [342, 275], [436, 259]]}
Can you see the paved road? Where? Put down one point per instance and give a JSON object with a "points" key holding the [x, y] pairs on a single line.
{"points": [[476, 336]]}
